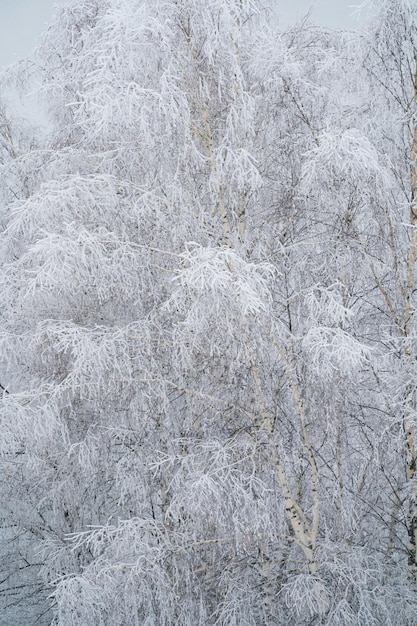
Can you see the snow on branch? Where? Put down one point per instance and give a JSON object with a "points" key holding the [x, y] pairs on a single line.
{"points": [[223, 276], [333, 350], [345, 153]]}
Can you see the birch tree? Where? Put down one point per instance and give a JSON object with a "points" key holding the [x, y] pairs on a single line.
{"points": [[391, 65], [188, 342]]}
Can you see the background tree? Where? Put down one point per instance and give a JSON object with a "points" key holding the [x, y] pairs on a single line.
{"points": [[390, 62]]}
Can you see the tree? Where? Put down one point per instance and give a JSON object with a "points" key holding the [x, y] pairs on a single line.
{"points": [[391, 65], [190, 338]]}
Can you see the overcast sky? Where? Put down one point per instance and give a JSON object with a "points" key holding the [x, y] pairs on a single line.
{"points": [[23, 21]]}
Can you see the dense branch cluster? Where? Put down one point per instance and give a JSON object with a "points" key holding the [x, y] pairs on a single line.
{"points": [[208, 281]]}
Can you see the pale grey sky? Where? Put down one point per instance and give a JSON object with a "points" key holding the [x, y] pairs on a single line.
{"points": [[333, 13], [23, 21]]}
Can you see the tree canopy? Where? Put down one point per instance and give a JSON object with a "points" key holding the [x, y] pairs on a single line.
{"points": [[207, 330]]}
